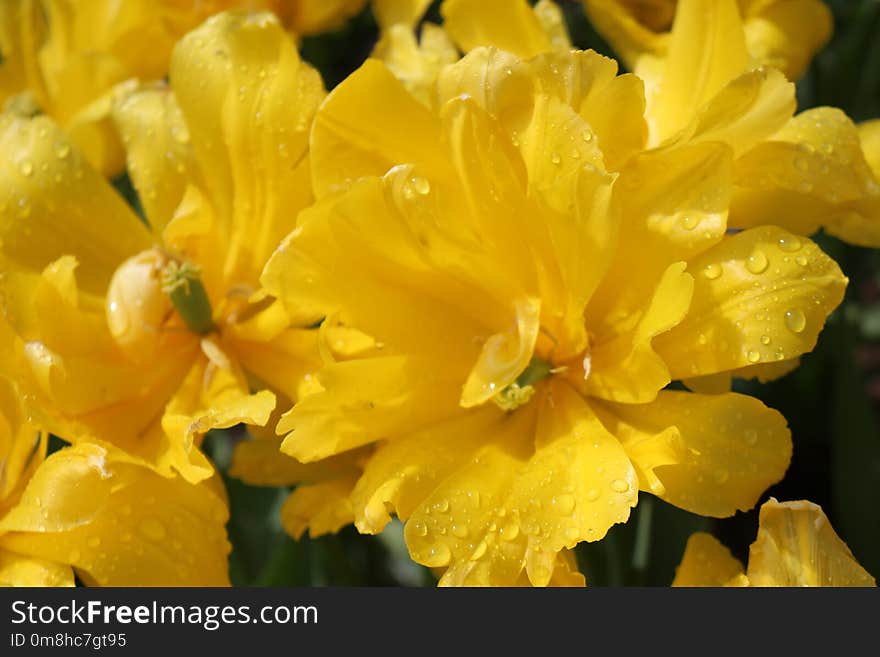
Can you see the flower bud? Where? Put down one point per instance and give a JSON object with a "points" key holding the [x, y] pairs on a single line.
{"points": [[136, 306]]}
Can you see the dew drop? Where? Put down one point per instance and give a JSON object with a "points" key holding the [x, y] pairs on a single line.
{"points": [[555, 159], [572, 534], [510, 531], [152, 529], [795, 321], [438, 555], [442, 506], [757, 262], [801, 260], [751, 437], [619, 486], [712, 271], [790, 243], [592, 495], [420, 529], [689, 222], [61, 149], [564, 504], [753, 356], [765, 339], [26, 167], [460, 531], [421, 185]]}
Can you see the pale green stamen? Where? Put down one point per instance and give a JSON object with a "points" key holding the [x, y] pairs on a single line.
{"points": [[520, 391], [182, 283]]}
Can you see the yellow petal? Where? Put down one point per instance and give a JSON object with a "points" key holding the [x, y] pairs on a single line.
{"points": [[393, 12], [504, 356], [20, 570], [404, 471], [708, 454], [707, 563], [817, 153], [674, 204], [707, 50], [281, 362], [614, 359], [22, 446], [52, 203], [745, 112], [509, 507], [314, 16], [474, 24], [248, 102], [357, 134], [322, 508], [158, 150], [211, 397], [363, 401], [260, 462], [869, 136], [786, 34], [760, 296], [796, 546], [118, 523]]}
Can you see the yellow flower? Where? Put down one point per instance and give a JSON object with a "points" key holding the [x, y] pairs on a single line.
{"points": [[796, 546], [92, 510], [707, 84], [62, 57], [784, 34], [148, 336], [530, 308]]}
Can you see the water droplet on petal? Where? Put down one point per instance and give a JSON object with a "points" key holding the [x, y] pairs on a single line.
{"points": [[555, 159], [420, 529], [619, 486], [421, 185], [572, 534], [757, 262], [712, 271], [592, 495], [510, 531], [26, 167], [689, 222], [751, 437], [790, 243], [753, 356], [795, 321]]}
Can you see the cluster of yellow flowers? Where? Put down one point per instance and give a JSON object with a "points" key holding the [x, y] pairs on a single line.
{"points": [[456, 289]]}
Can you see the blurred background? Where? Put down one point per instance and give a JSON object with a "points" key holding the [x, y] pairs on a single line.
{"points": [[832, 402]]}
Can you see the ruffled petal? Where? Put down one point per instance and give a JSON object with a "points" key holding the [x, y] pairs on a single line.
{"points": [[708, 563], [796, 546], [19, 570], [760, 296], [475, 24], [322, 508], [708, 454], [118, 523]]}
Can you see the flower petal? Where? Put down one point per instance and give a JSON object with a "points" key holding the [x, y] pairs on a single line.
{"points": [[19, 570], [119, 523], [248, 102], [260, 462], [796, 546], [708, 454], [158, 150], [614, 359], [474, 24], [368, 124], [322, 508], [708, 563], [707, 50], [760, 296], [52, 203], [497, 513]]}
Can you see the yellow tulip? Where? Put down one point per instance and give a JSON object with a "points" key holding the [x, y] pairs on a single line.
{"points": [[148, 335], [796, 546], [94, 511], [529, 309], [63, 57], [784, 34]]}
